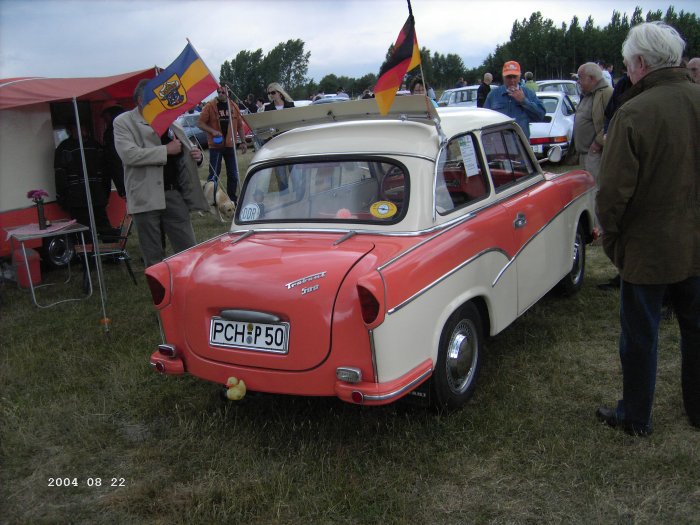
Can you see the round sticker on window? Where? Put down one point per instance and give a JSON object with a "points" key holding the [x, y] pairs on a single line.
{"points": [[383, 209], [250, 212]]}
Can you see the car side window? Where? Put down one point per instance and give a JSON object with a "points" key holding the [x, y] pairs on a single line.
{"points": [[460, 178], [508, 161]]}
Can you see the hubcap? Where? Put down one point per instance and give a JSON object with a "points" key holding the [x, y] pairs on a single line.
{"points": [[462, 352], [578, 261]]}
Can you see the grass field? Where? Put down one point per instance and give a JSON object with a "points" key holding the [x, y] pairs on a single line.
{"points": [[79, 404]]}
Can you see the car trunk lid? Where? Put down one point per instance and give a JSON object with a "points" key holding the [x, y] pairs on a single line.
{"points": [[247, 298]]}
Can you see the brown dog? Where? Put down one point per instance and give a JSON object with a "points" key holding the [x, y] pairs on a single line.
{"points": [[218, 197]]}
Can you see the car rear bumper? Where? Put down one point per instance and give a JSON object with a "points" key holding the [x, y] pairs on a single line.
{"points": [[317, 382]]}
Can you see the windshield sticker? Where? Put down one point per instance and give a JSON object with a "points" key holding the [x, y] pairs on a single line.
{"points": [[466, 147], [250, 212], [383, 209]]}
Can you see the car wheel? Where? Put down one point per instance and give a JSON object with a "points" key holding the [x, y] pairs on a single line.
{"points": [[459, 359], [572, 281], [57, 251]]}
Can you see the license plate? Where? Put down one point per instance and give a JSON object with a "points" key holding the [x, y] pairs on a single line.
{"points": [[537, 148], [261, 337]]}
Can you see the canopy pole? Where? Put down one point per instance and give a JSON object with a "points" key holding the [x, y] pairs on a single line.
{"points": [[93, 229]]}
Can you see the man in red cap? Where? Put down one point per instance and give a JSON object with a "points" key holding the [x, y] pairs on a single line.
{"points": [[510, 99]]}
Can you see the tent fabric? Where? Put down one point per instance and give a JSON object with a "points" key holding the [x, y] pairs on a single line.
{"points": [[17, 92]]}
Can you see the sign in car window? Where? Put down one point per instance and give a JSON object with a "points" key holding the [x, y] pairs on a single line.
{"points": [[466, 148]]}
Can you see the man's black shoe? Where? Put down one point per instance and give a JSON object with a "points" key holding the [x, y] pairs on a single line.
{"points": [[609, 417], [612, 284]]}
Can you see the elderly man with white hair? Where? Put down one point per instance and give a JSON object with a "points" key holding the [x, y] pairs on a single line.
{"points": [[649, 208], [694, 68], [589, 126]]}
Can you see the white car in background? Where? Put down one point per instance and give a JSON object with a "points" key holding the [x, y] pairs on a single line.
{"points": [[558, 127], [464, 97], [568, 87]]}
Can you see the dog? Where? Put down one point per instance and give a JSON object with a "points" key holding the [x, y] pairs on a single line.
{"points": [[218, 199]]}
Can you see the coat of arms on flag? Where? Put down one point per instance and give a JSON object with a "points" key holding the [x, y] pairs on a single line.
{"points": [[171, 93]]}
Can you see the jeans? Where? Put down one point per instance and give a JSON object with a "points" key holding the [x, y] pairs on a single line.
{"points": [[229, 156], [640, 313]]}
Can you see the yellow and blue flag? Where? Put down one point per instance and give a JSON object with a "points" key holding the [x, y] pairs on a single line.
{"points": [[178, 88]]}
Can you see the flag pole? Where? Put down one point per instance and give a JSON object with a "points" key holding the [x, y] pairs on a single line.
{"points": [[420, 65]]}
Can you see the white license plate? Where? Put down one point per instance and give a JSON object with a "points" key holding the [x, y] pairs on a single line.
{"points": [[262, 337], [537, 148]]}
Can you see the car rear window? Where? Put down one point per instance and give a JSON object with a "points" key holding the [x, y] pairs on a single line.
{"points": [[370, 191]]}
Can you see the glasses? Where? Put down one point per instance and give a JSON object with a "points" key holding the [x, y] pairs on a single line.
{"points": [[272, 92], [221, 92]]}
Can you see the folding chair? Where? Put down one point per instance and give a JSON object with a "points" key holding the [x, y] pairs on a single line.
{"points": [[115, 250]]}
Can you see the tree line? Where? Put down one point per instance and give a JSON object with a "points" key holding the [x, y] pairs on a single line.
{"points": [[549, 52]]}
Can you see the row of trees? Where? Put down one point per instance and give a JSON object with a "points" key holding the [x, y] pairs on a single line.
{"points": [[551, 52], [539, 46]]}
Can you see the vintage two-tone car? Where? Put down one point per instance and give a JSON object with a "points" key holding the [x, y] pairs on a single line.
{"points": [[370, 255]]}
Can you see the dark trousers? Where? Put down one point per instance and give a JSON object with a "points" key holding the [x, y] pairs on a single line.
{"points": [[640, 313], [229, 156]]}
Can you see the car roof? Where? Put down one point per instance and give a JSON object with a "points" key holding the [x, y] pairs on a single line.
{"points": [[463, 88], [555, 94]]}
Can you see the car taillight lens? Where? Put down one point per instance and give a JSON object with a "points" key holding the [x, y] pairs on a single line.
{"points": [[157, 289], [368, 304], [548, 140]]}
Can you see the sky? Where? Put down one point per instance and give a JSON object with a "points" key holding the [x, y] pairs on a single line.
{"points": [[80, 38]]}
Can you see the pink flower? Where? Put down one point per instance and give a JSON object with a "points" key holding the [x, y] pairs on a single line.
{"points": [[37, 195]]}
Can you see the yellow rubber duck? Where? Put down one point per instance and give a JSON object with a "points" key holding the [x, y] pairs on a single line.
{"points": [[236, 389]]}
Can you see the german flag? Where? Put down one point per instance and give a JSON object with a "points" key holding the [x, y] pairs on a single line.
{"points": [[179, 87], [404, 58]]}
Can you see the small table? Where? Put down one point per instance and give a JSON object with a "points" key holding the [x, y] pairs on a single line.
{"points": [[30, 232]]}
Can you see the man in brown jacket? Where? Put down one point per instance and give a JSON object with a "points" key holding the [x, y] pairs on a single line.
{"points": [[223, 123], [589, 127], [649, 208]]}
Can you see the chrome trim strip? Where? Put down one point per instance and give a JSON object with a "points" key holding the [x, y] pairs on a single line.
{"points": [[439, 230], [442, 278], [536, 234], [401, 390], [249, 316], [373, 353]]}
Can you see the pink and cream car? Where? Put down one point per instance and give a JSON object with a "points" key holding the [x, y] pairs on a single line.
{"points": [[370, 255]]}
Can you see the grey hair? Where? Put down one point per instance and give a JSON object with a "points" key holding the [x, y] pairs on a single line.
{"points": [[657, 43], [489, 76], [276, 86], [592, 69], [139, 89]]}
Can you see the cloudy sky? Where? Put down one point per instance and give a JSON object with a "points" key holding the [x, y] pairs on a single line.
{"points": [[66, 38]]}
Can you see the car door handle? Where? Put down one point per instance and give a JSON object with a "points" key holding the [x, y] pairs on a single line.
{"points": [[520, 221]]}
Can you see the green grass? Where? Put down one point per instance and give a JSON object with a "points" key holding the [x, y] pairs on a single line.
{"points": [[80, 403]]}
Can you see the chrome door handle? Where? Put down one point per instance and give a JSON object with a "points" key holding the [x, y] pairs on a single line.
{"points": [[520, 221]]}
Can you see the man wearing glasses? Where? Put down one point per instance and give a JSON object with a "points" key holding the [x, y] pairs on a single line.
{"points": [[222, 121]]}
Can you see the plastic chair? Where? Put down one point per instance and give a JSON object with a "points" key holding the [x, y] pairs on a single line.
{"points": [[114, 250]]}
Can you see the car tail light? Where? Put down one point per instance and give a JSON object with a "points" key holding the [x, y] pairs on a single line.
{"points": [[548, 140], [368, 304], [157, 289]]}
